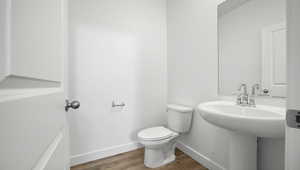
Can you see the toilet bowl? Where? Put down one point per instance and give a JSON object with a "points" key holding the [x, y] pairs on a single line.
{"points": [[160, 141], [159, 145]]}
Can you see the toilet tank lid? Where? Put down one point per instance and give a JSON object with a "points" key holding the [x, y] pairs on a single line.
{"points": [[180, 108]]}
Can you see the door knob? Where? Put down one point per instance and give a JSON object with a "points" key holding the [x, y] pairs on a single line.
{"points": [[74, 105]]}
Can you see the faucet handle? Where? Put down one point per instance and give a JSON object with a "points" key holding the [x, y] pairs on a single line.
{"points": [[254, 88], [239, 99], [243, 87]]}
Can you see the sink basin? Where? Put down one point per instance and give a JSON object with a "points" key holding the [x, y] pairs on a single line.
{"points": [[245, 124], [262, 121]]}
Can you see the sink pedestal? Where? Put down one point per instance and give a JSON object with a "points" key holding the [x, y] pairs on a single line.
{"points": [[243, 152]]}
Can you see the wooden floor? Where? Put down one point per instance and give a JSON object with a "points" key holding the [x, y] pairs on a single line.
{"points": [[134, 161]]}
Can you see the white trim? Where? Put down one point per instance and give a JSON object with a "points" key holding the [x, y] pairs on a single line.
{"points": [[65, 35], [203, 160], [18, 94], [103, 153]]}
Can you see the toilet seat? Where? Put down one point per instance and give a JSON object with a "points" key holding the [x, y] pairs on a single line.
{"points": [[156, 134]]}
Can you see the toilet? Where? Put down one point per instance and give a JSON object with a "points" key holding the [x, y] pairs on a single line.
{"points": [[160, 141]]}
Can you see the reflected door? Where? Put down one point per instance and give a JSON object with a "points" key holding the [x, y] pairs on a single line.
{"points": [[274, 60]]}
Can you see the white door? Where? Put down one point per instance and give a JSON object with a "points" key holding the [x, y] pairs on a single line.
{"points": [[274, 60], [33, 126], [33, 132], [293, 134]]}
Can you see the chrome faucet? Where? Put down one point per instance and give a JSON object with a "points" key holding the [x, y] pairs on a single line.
{"points": [[243, 97], [254, 90]]}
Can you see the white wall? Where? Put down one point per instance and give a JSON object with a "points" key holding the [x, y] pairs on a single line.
{"points": [[192, 79], [193, 71], [240, 41], [117, 52]]}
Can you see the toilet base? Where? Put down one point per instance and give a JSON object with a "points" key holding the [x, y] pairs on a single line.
{"points": [[157, 157]]}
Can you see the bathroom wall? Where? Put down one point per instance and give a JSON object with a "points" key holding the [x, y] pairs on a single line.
{"points": [[244, 25], [193, 74], [192, 79], [117, 53]]}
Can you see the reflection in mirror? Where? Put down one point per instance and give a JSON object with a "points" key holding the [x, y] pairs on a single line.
{"points": [[252, 46], [31, 44]]}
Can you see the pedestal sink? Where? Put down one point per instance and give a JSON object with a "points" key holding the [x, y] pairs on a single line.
{"points": [[245, 125]]}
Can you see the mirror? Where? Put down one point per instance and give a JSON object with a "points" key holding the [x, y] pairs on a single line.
{"points": [[31, 43], [252, 46]]}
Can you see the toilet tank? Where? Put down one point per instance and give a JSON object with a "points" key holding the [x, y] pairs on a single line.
{"points": [[179, 118]]}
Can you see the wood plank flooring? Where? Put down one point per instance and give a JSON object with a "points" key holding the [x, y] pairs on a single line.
{"points": [[134, 160]]}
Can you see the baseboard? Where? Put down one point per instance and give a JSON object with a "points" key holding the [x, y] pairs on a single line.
{"points": [[107, 152], [111, 151], [203, 160]]}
